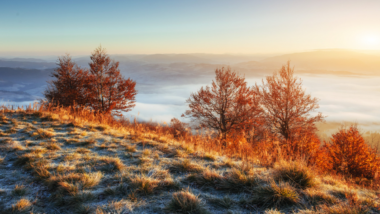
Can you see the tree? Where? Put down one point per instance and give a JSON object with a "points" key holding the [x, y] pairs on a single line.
{"points": [[103, 89], [287, 107], [110, 92], [70, 84], [348, 154], [229, 105]]}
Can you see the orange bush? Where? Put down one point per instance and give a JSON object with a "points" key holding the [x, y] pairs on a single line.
{"points": [[178, 128], [349, 155]]}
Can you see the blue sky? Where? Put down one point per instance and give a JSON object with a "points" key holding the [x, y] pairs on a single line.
{"points": [[145, 27]]}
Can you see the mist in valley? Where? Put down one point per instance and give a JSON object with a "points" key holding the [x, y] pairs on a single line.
{"points": [[347, 93]]}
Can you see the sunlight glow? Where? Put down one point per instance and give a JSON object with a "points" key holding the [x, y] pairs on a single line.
{"points": [[371, 40]]}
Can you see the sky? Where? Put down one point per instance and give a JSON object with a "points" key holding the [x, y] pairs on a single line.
{"points": [[37, 28]]}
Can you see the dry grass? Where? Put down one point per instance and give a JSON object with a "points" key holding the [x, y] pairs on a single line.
{"points": [[209, 156], [317, 197], [42, 134], [19, 190], [53, 146], [130, 148], [276, 195], [185, 166], [111, 164], [237, 181], [224, 203], [144, 185], [206, 178], [295, 173], [144, 166], [22, 206], [187, 203], [91, 180]]}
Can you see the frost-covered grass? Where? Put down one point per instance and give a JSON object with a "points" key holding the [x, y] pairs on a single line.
{"points": [[53, 166]]}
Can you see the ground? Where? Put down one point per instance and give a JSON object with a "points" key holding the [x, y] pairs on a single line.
{"points": [[52, 166]]}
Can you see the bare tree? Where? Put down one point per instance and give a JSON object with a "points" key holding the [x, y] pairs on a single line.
{"points": [[287, 107]]}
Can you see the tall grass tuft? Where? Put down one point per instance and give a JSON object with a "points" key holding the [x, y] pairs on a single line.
{"points": [[276, 195], [295, 173], [187, 203]]}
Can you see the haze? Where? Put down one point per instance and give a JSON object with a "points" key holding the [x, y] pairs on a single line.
{"points": [[171, 48]]}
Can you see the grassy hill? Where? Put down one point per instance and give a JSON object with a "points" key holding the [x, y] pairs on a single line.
{"points": [[54, 164]]}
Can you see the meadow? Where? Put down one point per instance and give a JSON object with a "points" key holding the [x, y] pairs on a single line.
{"points": [[60, 160]]}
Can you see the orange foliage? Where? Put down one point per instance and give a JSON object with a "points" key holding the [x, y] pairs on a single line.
{"points": [[287, 107], [70, 85], [178, 128], [109, 91], [103, 89], [229, 105], [349, 155]]}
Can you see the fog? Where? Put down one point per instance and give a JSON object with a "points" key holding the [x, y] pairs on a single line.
{"points": [[341, 99], [164, 82]]}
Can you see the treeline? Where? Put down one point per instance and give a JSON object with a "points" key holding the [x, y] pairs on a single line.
{"points": [[274, 121]]}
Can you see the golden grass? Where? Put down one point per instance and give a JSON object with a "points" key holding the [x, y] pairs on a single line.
{"points": [[111, 164], [42, 134], [130, 148], [206, 178], [80, 178], [22, 205], [53, 146], [91, 180], [276, 195], [186, 202], [296, 173], [185, 166]]}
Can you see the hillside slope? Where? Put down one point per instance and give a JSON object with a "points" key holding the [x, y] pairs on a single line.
{"points": [[53, 166]]}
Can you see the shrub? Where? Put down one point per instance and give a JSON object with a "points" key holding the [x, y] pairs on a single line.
{"points": [[187, 203], [294, 173], [177, 128], [348, 154]]}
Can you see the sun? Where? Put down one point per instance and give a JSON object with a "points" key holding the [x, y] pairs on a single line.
{"points": [[370, 40]]}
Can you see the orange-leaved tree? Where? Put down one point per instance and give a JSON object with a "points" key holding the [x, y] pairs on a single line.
{"points": [[70, 84], [228, 106], [348, 154], [287, 107], [110, 92]]}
